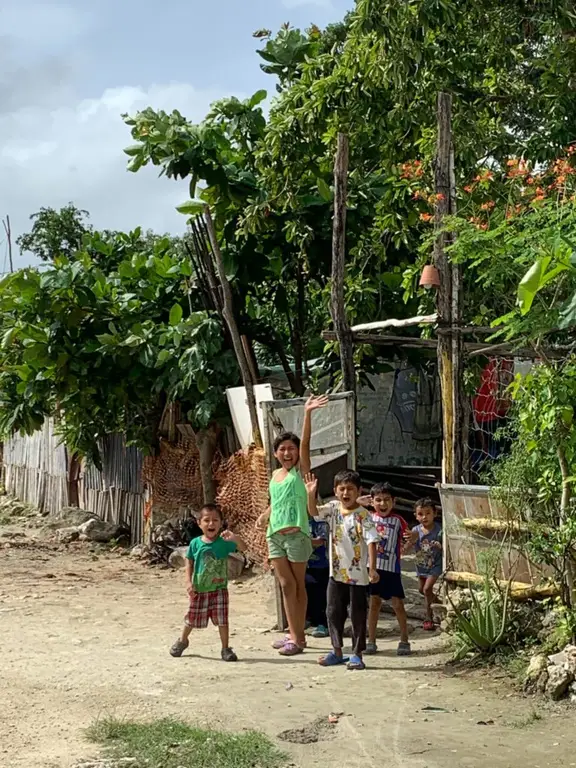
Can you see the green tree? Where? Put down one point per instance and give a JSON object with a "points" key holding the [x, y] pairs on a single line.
{"points": [[536, 480], [375, 76], [55, 233], [104, 352]]}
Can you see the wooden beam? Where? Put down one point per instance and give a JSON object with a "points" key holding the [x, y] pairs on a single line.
{"points": [[518, 589], [394, 323], [472, 348], [228, 312], [337, 307], [491, 524]]}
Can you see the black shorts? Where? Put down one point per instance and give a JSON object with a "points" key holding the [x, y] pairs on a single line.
{"points": [[390, 585]]}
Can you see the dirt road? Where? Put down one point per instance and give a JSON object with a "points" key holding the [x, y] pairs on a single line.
{"points": [[87, 635]]}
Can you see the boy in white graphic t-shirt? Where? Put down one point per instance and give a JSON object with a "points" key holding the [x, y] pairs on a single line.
{"points": [[352, 547]]}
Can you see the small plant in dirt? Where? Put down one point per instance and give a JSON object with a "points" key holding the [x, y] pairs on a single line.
{"points": [[173, 744], [482, 628]]}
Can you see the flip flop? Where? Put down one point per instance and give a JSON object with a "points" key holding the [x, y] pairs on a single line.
{"points": [[320, 631], [356, 663], [331, 660], [290, 649], [279, 644]]}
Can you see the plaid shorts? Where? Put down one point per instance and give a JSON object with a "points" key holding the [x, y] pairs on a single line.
{"points": [[208, 605]]}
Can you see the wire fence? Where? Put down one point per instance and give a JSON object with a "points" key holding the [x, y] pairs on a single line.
{"points": [[490, 413]]}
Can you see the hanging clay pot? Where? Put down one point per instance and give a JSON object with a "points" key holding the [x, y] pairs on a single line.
{"points": [[430, 277]]}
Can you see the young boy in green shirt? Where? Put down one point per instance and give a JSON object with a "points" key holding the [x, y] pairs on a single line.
{"points": [[207, 580]]}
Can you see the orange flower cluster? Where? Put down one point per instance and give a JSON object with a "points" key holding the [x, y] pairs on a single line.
{"points": [[478, 222], [517, 168], [562, 169], [413, 170], [540, 194], [426, 217], [484, 175]]}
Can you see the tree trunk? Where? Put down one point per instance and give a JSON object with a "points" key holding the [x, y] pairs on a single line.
{"points": [[568, 570], [228, 312], [74, 466], [337, 306], [206, 441]]}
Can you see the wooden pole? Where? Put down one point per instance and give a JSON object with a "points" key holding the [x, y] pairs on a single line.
{"points": [[448, 299], [337, 307], [228, 313], [6, 223]]}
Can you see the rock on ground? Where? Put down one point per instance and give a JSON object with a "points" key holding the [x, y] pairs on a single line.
{"points": [[559, 678], [537, 665], [102, 532]]}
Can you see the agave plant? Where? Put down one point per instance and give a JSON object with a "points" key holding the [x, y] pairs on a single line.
{"points": [[483, 627]]}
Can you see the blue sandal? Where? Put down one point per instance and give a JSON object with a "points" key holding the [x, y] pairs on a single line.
{"points": [[331, 660], [356, 663]]}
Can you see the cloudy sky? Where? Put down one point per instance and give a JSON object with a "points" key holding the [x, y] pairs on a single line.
{"points": [[68, 70]]}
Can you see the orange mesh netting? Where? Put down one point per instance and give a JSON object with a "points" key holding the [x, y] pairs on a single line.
{"points": [[243, 496], [242, 482], [174, 475]]}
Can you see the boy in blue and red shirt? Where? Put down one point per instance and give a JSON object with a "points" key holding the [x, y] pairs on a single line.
{"points": [[317, 578], [391, 528]]}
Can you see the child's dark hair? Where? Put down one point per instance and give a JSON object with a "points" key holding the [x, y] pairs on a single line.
{"points": [[425, 504], [348, 476], [210, 508], [382, 489], [286, 437]]}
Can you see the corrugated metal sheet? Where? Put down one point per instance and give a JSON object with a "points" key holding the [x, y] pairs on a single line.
{"points": [[35, 471], [463, 545]]}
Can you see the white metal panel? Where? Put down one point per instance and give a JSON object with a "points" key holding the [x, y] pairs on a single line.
{"points": [[238, 405]]}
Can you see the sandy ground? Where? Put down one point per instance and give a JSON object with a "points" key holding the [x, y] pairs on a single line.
{"points": [[86, 635]]}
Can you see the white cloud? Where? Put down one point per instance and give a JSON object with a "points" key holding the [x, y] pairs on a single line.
{"points": [[49, 157]]}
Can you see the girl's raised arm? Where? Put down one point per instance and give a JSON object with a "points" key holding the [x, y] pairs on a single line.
{"points": [[312, 404]]}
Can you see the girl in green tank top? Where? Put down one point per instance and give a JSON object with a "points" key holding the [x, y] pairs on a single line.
{"points": [[288, 504], [288, 532]]}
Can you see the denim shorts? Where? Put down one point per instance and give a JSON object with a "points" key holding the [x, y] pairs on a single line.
{"points": [[297, 547]]}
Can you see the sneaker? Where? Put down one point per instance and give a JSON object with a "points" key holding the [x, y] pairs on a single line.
{"points": [[178, 648], [404, 649], [429, 626], [371, 649], [321, 631], [228, 655]]}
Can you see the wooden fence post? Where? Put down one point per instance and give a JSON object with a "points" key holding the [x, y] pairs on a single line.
{"points": [[448, 300]]}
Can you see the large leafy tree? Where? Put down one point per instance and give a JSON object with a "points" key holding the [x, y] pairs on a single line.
{"points": [[375, 76], [103, 350]]}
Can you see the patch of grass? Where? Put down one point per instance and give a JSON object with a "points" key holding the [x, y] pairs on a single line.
{"points": [[173, 744], [526, 721], [513, 662]]}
